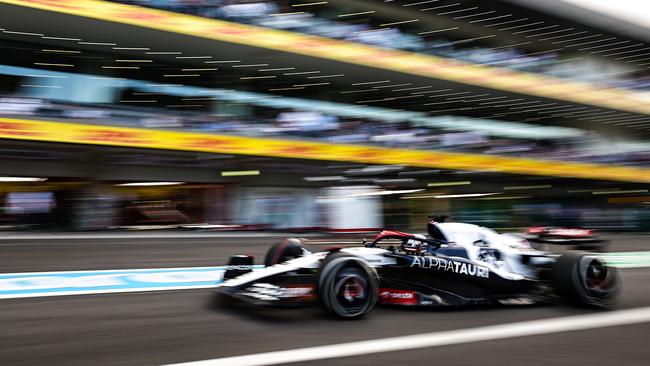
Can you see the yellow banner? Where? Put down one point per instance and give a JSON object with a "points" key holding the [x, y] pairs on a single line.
{"points": [[354, 53], [35, 130]]}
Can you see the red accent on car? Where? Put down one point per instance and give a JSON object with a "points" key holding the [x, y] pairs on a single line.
{"points": [[392, 234], [395, 296], [302, 292], [570, 232], [536, 230]]}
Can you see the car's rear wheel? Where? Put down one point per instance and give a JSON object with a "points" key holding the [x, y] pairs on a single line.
{"points": [[347, 286], [286, 250], [585, 280]]}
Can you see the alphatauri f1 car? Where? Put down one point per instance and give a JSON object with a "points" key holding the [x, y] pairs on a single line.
{"points": [[456, 264]]}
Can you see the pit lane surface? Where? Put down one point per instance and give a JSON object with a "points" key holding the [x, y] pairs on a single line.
{"points": [[180, 326]]}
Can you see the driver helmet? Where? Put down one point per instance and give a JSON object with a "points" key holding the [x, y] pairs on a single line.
{"points": [[415, 246]]}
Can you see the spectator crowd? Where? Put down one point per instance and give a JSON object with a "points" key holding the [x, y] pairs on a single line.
{"points": [[317, 126], [265, 13]]}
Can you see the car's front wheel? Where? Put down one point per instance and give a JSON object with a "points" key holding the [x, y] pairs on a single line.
{"points": [[347, 286], [285, 250], [585, 280]]}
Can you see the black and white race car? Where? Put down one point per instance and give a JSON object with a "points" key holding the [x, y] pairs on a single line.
{"points": [[455, 264]]}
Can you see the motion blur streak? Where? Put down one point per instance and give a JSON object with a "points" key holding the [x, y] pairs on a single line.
{"points": [[628, 259], [146, 143], [520, 329]]}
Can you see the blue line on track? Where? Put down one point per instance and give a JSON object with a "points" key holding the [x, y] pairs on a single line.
{"points": [[39, 284]]}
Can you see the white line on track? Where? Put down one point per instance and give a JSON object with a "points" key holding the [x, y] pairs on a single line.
{"points": [[426, 340]]}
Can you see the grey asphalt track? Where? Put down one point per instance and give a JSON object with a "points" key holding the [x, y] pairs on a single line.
{"points": [[179, 326]]}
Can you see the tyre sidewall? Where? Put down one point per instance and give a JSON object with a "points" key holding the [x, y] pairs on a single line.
{"points": [[569, 278], [327, 279]]}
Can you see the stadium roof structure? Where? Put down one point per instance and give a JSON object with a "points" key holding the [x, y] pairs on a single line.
{"points": [[626, 17], [326, 68]]}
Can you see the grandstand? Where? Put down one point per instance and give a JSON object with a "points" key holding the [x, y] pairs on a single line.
{"points": [[496, 91]]}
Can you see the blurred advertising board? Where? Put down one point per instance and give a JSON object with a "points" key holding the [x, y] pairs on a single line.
{"points": [[35, 130]]}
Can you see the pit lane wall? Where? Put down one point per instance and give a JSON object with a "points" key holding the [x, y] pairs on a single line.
{"points": [[38, 130], [352, 53]]}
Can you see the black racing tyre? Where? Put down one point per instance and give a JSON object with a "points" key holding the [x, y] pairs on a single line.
{"points": [[585, 280], [347, 286], [286, 250]]}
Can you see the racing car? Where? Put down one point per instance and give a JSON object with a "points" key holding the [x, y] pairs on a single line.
{"points": [[583, 239], [456, 264]]}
